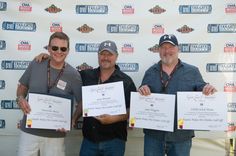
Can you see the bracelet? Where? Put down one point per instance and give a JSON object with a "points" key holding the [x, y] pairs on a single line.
{"points": [[19, 98]]}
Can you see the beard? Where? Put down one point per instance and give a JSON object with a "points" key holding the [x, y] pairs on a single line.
{"points": [[167, 60]]}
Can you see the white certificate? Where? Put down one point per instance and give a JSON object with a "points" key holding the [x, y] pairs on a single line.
{"points": [[49, 112], [105, 98], [155, 111], [200, 112]]}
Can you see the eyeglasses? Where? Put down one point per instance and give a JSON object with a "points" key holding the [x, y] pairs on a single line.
{"points": [[62, 49]]}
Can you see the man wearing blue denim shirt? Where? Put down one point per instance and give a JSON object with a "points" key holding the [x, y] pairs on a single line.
{"points": [[169, 76]]}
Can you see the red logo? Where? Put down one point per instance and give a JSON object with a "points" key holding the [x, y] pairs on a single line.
{"points": [[158, 29], [230, 87], [56, 27], [128, 9], [25, 7], [231, 127], [127, 48], [230, 48], [230, 8], [24, 46]]}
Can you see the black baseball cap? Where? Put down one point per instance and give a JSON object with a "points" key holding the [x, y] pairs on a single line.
{"points": [[168, 38]]}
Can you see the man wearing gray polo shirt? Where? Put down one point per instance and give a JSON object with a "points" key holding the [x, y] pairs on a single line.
{"points": [[52, 76]]}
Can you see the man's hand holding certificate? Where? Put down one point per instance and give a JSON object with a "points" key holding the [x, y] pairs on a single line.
{"points": [[102, 99], [49, 112]]}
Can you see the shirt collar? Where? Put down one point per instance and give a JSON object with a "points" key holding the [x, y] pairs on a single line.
{"points": [[115, 73]]}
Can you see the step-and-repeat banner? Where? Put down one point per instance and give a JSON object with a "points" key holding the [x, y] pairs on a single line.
{"points": [[205, 29]]}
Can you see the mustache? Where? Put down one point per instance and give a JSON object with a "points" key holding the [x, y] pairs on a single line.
{"points": [[105, 61]]}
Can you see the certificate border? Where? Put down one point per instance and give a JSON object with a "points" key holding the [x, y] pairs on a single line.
{"points": [[70, 97]]}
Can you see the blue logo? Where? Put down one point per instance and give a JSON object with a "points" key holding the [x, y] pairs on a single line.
{"points": [[86, 47], [19, 26], [3, 6], [2, 45], [221, 28], [91, 9], [123, 28], [2, 123], [231, 107], [221, 67], [9, 104], [128, 67], [14, 65], [195, 48], [195, 9], [2, 84]]}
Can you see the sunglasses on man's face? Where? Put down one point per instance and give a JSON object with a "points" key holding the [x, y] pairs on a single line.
{"points": [[56, 48]]}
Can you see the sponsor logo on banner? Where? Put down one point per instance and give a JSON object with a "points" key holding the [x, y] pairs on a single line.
{"points": [[2, 123], [25, 6], [85, 29], [3, 6], [24, 46], [128, 9], [157, 10], [123, 28], [86, 47], [2, 84], [158, 29], [221, 67], [56, 27], [9, 104], [185, 29], [195, 9], [2, 45], [19, 26], [230, 48], [231, 107], [14, 65], [230, 8], [154, 49], [231, 126], [127, 48], [83, 66], [53, 9], [195, 48], [128, 67], [230, 87], [221, 28], [91, 9]]}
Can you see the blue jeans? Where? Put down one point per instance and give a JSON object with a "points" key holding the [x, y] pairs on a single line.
{"points": [[114, 147], [154, 147]]}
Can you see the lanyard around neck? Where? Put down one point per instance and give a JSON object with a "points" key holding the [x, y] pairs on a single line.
{"points": [[49, 76], [165, 83]]}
